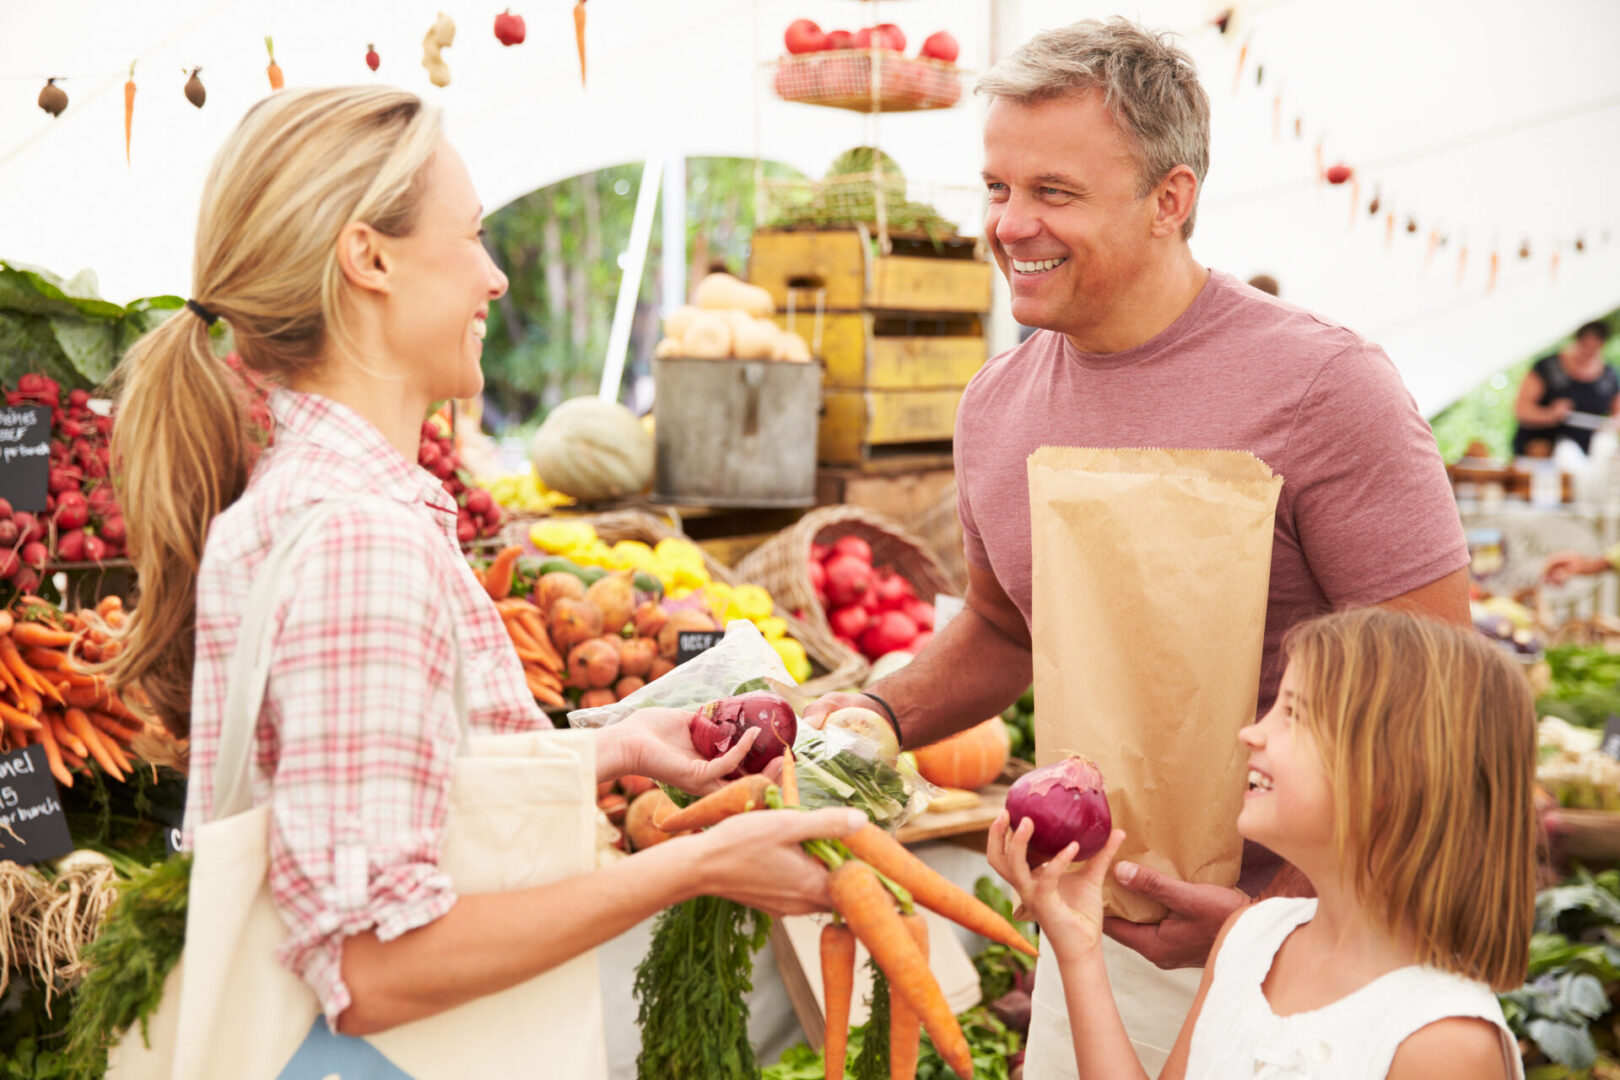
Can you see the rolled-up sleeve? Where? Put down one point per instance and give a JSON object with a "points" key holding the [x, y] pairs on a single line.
{"points": [[359, 740]]}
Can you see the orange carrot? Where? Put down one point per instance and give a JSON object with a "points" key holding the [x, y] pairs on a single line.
{"points": [[80, 725], [838, 987], [790, 779], [6, 622], [66, 737], [905, 1036], [274, 70], [867, 907], [8, 678], [34, 635], [550, 698], [26, 676], [737, 797], [116, 752], [108, 603], [18, 719], [891, 859], [498, 579], [112, 727], [53, 755], [129, 107], [579, 36], [73, 761]]}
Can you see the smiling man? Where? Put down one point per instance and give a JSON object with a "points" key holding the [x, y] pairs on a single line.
{"points": [[1096, 144]]}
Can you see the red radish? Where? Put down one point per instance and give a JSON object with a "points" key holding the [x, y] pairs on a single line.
{"points": [[920, 612], [8, 532], [112, 529], [818, 576], [33, 529], [804, 36], [9, 563], [427, 455], [819, 552], [1068, 804], [849, 622], [480, 501], [63, 478], [850, 644], [1338, 174], [509, 28], [72, 511], [941, 46], [70, 546], [25, 580], [870, 601], [889, 632], [5, 508], [848, 579], [466, 528], [33, 553], [884, 36], [373, 61], [853, 545], [840, 39], [718, 726], [95, 549]]}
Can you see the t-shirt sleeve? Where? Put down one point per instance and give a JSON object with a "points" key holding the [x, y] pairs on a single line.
{"points": [[1366, 487]]}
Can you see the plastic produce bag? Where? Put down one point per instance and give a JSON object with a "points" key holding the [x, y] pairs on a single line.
{"points": [[840, 768]]}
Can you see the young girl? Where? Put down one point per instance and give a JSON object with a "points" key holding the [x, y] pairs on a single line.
{"points": [[340, 240], [1396, 772]]}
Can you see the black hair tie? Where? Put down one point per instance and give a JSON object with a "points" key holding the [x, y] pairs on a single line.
{"points": [[208, 317]]}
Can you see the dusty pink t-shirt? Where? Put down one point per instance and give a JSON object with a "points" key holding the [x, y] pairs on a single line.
{"points": [[1366, 512]]}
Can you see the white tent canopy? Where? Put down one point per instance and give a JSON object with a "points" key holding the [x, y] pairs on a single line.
{"points": [[1481, 125]]}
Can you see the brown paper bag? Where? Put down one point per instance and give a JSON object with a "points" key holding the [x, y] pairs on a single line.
{"points": [[1151, 570]]}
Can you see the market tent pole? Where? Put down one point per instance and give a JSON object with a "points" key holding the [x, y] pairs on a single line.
{"points": [[674, 254], [624, 312]]}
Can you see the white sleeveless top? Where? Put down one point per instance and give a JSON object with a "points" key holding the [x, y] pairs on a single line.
{"points": [[1238, 1037]]}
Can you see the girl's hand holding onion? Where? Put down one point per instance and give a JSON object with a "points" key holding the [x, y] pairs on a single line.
{"points": [[1075, 930], [657, 743]]}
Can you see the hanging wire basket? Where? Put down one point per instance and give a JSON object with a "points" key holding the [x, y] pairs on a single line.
{"points": [[867, 80]]}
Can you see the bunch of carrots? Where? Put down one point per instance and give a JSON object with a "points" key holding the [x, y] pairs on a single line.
{"points": [[543, 667], [875, 884], [48, 699]]}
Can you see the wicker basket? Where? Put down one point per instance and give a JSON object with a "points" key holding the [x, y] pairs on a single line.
{"points": [[940, 527], [780, 563], [836, 666], [867, 80]]}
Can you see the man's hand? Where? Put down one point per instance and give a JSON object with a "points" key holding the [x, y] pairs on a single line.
{"points": [[816, 713], [1184, 938]]}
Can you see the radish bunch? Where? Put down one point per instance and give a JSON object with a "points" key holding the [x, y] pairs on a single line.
{"points": [[478, 515], [871, 609], [81, 522]]}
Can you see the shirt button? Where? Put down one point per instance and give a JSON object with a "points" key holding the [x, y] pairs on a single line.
{"points": [[1321, 1053]]}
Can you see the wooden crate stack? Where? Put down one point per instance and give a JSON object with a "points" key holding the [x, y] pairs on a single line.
{"points": [[900, 333]]}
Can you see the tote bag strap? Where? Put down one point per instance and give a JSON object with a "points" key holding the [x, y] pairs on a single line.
{"points": [[249, 671]]}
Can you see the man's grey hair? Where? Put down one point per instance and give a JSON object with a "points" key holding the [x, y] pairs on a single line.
{"points": [[1149, 86]]}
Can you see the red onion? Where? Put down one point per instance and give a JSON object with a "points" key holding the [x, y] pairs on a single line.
{"points": [[1067, 804], [718, 726]]}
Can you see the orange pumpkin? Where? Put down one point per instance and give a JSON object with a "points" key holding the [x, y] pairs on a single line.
{"points": [[969, 759]]}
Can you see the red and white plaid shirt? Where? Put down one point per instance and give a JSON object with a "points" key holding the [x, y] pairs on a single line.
{"points": [[357, 733]]}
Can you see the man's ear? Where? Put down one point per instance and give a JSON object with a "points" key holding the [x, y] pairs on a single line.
{"points": [[364, 258], [1173, 200]]}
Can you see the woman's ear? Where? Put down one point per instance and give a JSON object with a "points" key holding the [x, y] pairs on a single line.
{"points": [[363, 258]]}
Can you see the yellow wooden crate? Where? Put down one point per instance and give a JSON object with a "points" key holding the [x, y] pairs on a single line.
{"points": [[837, 270], [862, 350], [859, 426]]}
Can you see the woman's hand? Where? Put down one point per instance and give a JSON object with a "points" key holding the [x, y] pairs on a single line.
{"points": [[1074, 931], [657, 743], [755, 858]]}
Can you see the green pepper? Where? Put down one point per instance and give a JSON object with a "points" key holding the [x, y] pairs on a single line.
{"points": [[646, 583]]}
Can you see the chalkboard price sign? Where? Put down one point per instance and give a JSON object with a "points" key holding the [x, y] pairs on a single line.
{"points": [[25, 456], [690, 643], [32, 828]]}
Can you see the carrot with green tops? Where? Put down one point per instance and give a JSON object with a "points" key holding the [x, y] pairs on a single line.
{"points": [[790, 779], [129, 107], [838, 987], [867, 906], [53, 756], [929, 888], [498, 578], [274, 70], [737, 797], [905, 1032]]}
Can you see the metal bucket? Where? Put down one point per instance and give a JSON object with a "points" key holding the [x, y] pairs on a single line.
{"points": [[736, 432]]}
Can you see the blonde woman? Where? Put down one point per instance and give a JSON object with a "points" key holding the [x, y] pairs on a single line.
{"points": [[1396, 770], [339, 239]]}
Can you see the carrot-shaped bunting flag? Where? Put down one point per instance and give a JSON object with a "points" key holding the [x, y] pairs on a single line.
{"points": [[129, 107]]}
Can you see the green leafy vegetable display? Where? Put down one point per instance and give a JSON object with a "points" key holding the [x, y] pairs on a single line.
{"points": [[1564, 1008], [1020, 721], [998, 966], [1585, 688]]}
